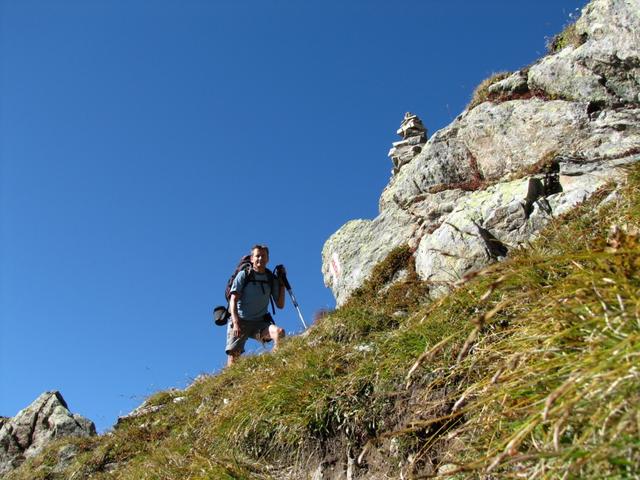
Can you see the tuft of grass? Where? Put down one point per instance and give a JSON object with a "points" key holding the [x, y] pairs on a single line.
{"points": [[568, 37], [392, 286], [481, 92]]}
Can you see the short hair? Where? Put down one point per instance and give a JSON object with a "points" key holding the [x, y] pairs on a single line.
{"points": [[260, 247]]}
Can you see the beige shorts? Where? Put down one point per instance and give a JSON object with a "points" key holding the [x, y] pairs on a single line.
{"points": [[256, 329]]}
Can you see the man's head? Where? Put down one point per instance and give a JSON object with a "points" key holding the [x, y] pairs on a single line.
{"points": [[259, 257]]}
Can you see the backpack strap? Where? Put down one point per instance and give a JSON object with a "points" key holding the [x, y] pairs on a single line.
{"points": [[271, 277], [251, 277]]}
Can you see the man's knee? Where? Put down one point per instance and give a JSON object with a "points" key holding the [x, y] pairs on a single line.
{"points": [[276, 332]]}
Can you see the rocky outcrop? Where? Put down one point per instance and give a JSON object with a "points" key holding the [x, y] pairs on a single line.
{"points": [[46, 419], [487, 183]]}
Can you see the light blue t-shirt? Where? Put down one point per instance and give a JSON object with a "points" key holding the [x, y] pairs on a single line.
{"points": [[253, 303]]}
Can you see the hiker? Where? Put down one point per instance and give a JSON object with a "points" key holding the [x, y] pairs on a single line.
{"points": [[251, 292]]}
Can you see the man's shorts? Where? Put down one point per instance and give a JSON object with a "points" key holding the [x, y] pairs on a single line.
{"points": [[257, 329]]}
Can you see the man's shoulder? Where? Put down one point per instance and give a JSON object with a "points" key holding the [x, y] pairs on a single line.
{"points": [[239, 279], [242, 273]]}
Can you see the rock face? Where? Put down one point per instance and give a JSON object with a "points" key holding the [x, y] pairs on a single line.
{"points": [[546, 140], [33, 428]]}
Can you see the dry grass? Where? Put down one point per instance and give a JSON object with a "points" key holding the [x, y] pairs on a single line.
{"points": [[481, 92]]}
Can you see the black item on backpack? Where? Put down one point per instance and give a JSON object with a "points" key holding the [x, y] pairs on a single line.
{"points": [[221, 315]]}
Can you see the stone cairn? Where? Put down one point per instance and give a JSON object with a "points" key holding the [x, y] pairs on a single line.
{"points": [[414, 136]]}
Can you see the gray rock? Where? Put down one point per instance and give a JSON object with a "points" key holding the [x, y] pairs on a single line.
{"points": [[352, 252], [513, 84], [561, 76], [140, 411], [147, 407], [486, 225], [46, 419], [606, 67], [489, 181]]}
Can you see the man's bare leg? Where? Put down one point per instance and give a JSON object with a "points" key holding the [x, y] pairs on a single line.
{"points": [[232, 358], [276, 333]]}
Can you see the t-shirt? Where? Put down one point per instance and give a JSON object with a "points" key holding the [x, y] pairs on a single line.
{"points": [[253, 303]]}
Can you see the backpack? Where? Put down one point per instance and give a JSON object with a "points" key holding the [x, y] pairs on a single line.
{"points": [[221, 314]]}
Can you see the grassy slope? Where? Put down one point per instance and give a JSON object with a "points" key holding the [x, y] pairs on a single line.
{"points": [[528, 370]]}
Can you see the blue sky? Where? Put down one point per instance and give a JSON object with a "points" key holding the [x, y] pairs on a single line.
{"points": [[145, 146]]}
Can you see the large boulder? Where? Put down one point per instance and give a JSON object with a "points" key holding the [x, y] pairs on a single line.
{"points": [[46, 419], [489, 181]]}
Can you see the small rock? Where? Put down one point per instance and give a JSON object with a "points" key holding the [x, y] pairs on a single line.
{"points": [[513, 84], [447, 468], [365, 347]]}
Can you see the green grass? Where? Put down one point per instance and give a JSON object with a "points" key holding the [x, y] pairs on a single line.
{"points": [[568, 37], [528, 370]]}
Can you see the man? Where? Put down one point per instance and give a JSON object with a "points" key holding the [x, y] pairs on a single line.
{"points": [[249, 304]]}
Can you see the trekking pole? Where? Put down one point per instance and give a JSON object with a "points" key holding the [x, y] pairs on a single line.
{"points": [[287, 285]]}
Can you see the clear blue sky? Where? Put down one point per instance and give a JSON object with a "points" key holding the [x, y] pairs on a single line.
{"points": [[145, 146]]}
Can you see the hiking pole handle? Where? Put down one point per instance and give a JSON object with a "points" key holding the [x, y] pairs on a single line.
{"points": [[282, 276]]}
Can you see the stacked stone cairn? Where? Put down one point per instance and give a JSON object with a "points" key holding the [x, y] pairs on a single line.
{"points": [[414, 136]]}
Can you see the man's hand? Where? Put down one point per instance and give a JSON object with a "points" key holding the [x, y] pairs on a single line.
{"points": [[280, 271], [236, 329], [235, 318]]}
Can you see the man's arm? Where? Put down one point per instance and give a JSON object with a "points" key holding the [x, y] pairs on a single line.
{"points": [[280, 299], [236, 290], [281, 275], [233, 310]]}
